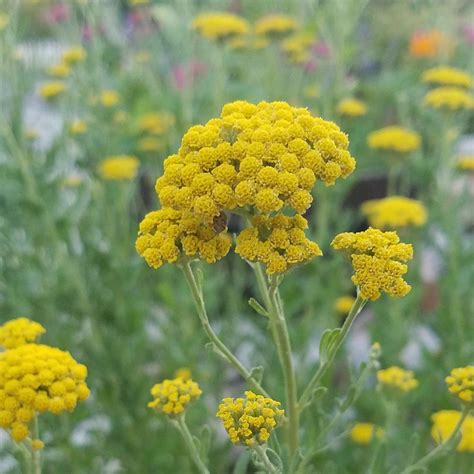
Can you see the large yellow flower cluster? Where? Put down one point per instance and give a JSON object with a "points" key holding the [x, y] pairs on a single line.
{"points": [[445, 421], [119, 167], [394, 212], [447, 76], [364, 433], [461, 383], [37, 378], [397, 139], [397, 378], [166, 235], [351, 107], [249, 420], [220, 25], [172, 396], [18, 332], [450, 98], [377, 259], [278, 242], [275, 25]]}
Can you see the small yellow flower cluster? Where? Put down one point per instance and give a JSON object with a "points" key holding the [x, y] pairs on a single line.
{"points": [[109, 98], [249, 420], [377, 261], [394, 212], [450, 98], [149, 144], [50, 90], [397, 139], [155, 123], [461, 383], [18, 332], [447, 76], [351, 107], [74, 55], [278, 242], [445, 421], [4, 20], [465, 163], [275, 25], [220, 26], [344, 304], [59, 70], [119, 167], [364, 433], [78, 127], [397, 378], [249, 43], [297, 47], [37, 378], [172, 396], [166, 235], [183, 373]]}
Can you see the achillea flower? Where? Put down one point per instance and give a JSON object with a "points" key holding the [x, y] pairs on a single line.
{"points": [[461, 383], [398, 139], [78, 127], [344, 304], [445, 421], [167, 235], [465, 163], [36, 378], [261, 157], [377, 261], [59, 70], [394, 212], [250, 420], [155, 123], [351, 108], [449, 98], [109, 98], [447, 76], [149, 144], [119, 167], [426, 44], [74, 55], [51, 90], [364, 433], [397, 379], [18, 332], [220, 26], [172, 397], [278, 242], [275, 25]]}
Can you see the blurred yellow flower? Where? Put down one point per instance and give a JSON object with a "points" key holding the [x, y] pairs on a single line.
{"points": [[50, 90], [351, 107], [183, 373], [72, 181], [312, 92], [74, 55], [394, 138], [138, 2], [363, 433], [447, 76], [155, 123], [449, 98], [275, 25], [220, 25], [397, 379], [297, 47], [78, 127], [465, 163], [445, 421], [149, 144], [59, 70], [248, 42], [109, 98], [119, 167], [120, 117], [344, 304], [4, 20], [172, 397]]}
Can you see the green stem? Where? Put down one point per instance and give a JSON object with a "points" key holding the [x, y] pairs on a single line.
{"points": [[265, 460], [359, 303], [35, 453], [392, 180], [442, 449], [219, 345]]}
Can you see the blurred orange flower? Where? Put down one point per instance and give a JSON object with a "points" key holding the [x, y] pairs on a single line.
{"points": [[426, 44]]}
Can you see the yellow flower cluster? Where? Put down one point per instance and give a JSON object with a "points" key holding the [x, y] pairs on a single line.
{"points": [[50, 90], [249, 42], [397, 139], [465, 163], [220, 26], [18, 332], [155, 123], [73, 55], [394, 212], [149, 144], [461, 383], [109, 98], [447, 76], [377, 261], [351, 107], [397, 378], [249, 420], [278, 242], [37, 378], [264, 156], [344, 304], [297, 47], [59, 70], [275, 25], [445, 421], [119, 167], [78, 127], [166, 235], [172, 396], [450, 98], [364, 433]]}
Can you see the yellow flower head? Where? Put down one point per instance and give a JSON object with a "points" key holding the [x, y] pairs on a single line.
{"points": [[78, 127], [394, 212], [351, 107], [344, 304], [262, 157], [220, 25], [34, 379], [278, 242], [166, 235], [149, 144], [465, 163], [74, 55], [397, 139], [461, 383], [119, 167], [449, 98], [183, 373], [364, 433], [250, 420], [172, 397], [50, 90], [275, 25], [59, 70], [18, 332], [447, 76], [154, 123], [397, 379], [109, 98], [445, 421], [377, 259], [297, 47]]}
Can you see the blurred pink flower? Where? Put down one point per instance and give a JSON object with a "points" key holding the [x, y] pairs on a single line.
{"points": [[469, 33], [321, 49], [310, 66], [86, 33], [185, 74], [57, 13]]}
